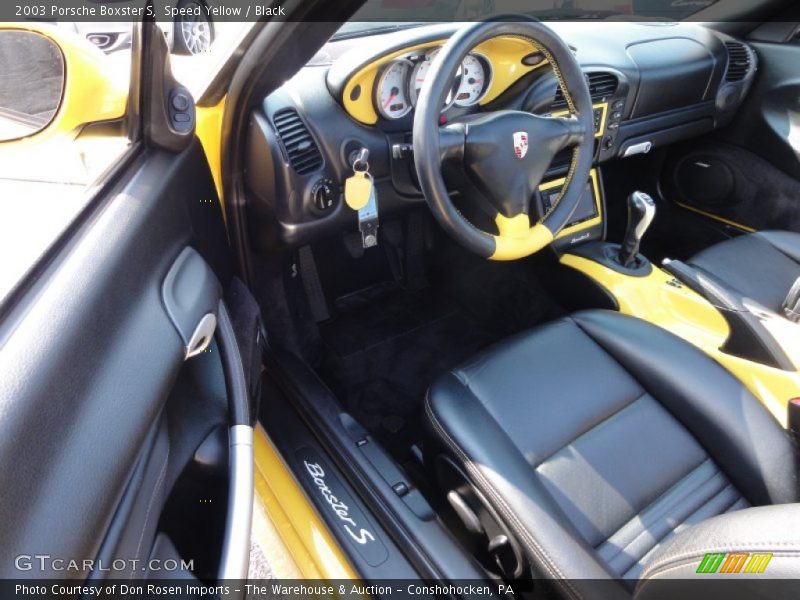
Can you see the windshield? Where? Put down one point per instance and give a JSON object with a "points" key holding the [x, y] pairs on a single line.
{"points": [[386, 15]]}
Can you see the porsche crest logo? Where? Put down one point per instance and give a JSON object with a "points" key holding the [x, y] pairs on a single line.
{"points": [[520, 144]]}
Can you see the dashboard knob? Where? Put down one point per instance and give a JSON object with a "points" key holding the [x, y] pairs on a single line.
{"points": [[324, 194]]}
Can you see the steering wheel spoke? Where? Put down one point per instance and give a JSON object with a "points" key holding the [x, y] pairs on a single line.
{"points": [[452, 139], [571, 131], [516, 227]]}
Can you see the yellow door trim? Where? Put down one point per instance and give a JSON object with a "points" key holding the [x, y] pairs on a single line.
{"points": [[209, 131], [313, 549]]}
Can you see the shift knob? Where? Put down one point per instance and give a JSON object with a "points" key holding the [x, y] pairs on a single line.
{"points": [[641, 210]]}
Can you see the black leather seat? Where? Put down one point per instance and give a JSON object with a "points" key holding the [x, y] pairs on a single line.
{"points": [[762, 266], [598, 437]]}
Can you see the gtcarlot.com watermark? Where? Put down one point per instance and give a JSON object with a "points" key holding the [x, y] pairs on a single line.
{"points": [[48, 563]]}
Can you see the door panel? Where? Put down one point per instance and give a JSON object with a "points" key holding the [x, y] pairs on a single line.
{"points": [[89, 357]]}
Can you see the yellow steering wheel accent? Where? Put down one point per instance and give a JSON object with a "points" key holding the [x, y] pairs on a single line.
{"points": [[518, 239]]}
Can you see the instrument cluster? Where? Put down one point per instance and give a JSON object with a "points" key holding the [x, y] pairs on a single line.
{"points": [[398, 86]]}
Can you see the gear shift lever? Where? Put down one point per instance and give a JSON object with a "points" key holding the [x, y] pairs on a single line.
{"points": [[641, 210]]}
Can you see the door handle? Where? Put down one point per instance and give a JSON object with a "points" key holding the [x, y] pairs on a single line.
{"points": [[191, 295], [202, 336]]}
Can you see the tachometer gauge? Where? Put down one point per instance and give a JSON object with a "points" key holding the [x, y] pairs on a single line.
{"points": [[476, 74], [391, 93], [418, 79]]}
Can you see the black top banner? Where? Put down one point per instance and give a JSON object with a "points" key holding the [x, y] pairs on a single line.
{"points": [[396, 11]]}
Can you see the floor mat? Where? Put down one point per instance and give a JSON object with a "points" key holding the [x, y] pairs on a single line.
{"points": [[386, 346]]}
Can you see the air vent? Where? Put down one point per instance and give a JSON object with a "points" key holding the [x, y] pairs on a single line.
{"points": [[601, 87], [300, 147], [739, 61]]}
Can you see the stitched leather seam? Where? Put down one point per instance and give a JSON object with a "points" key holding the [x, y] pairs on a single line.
{"points": [[737, 499], [159, 483], [527, 538], [621, 549], [653, 550], [694, 470], [728, 486], [589, 430], [571, 106], [670, 489], [664, 538]]}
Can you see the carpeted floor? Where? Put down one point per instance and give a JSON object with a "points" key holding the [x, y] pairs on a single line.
{"points": [[387, 345]]}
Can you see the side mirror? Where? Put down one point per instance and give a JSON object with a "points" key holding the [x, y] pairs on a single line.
{"points": [[52, 83]]}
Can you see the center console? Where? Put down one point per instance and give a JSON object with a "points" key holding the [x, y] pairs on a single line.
{"points": [[753, 344]]}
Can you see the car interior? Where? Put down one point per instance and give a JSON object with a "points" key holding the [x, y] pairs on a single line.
{"points": [[508, 413], [507, 300]]}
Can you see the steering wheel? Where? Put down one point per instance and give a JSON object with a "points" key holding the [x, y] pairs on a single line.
{"points": [[507, 152]]}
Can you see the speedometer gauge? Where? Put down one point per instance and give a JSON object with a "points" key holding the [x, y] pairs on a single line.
{"points": [[418, 79], [475, 77], [391, 93]]}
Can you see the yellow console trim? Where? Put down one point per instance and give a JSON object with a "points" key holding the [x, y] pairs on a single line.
{"points": [[603, 118], [313, 549], [659, 299], [505, 54]]}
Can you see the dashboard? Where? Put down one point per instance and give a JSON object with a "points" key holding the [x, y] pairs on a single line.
{"points": [[486, 72], [652, 84]]}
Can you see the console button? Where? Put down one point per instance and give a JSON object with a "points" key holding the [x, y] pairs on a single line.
{"points": [[180, 102], [400, 488]]}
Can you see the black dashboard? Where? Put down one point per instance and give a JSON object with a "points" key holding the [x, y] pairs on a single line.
{"points": [[652, 84]]}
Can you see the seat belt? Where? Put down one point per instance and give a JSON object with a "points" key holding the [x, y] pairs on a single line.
{"points": [[791, 306]]}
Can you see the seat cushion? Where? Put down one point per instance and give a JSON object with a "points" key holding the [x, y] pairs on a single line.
{"points": [[762, 266], [598, 437]]}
